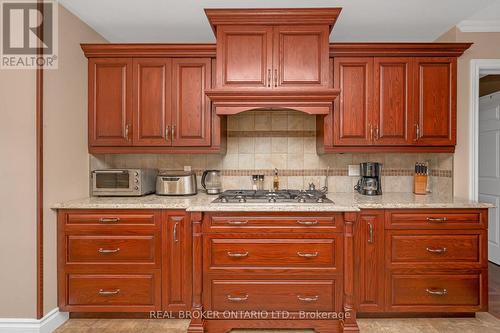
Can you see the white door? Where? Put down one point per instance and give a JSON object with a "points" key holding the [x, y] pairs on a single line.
{"points": [[489, 167]]}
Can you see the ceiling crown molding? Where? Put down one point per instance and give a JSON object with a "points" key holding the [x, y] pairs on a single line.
{"points": [[479, 26]]}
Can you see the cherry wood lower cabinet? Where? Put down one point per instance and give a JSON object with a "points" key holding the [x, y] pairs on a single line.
{"points": [[124, 260], [421, 260], [289, 263]]}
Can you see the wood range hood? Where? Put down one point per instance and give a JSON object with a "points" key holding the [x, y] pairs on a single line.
{"points": [[272, 59]]}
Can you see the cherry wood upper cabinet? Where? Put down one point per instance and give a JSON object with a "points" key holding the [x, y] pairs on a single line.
{"points": [[435, 101], [191, 112], [392, 111], [244, 57], [353, 108], [110, 101], [369, 261], [301, 57], [152, 101]]}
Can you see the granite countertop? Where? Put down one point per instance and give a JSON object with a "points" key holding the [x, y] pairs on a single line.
{"points": [[343, 202]]}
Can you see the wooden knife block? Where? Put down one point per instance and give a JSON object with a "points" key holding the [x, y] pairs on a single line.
{"points": [[420, 184]]}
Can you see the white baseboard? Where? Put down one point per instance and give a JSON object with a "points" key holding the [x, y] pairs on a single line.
{"points": [[47, 324]]}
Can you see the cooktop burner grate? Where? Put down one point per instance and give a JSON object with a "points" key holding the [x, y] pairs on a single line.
{"points": [[281, 196]]}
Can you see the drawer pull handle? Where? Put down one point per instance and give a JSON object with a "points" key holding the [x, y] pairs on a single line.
{"points": [[237, 299], [439, 250], [109, 219], [308, 299], [307, 222], [105, 251], [437, 292], [307, 255], [236, 222], [103, 292], [237, 254], [436, 219]]}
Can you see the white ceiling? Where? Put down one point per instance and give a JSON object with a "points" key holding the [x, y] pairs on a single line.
{"points": [[171, 21]]}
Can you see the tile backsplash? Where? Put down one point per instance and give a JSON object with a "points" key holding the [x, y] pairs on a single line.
{"points": [[259, 141]]}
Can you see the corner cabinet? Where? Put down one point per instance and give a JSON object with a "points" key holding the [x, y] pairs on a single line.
{"points": [[151, 99], [392, 99]]}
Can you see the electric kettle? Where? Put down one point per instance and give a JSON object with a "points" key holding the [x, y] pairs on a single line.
{"points": [[211, 181]]}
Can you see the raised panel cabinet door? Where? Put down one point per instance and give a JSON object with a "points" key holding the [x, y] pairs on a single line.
{"points": [[176, 266], [191, 116], [369, 261], [244, 57], [110, 101], [353, 108], [301, 57], [435, 101], [152, 101], [392, 117]]}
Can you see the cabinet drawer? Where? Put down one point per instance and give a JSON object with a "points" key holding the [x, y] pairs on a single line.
{"points": [[111, 249], [119, 217], [286, 295], [436, 219], [432, 291], [440, 247], [274, 252], [113, 290], [299, 222]]}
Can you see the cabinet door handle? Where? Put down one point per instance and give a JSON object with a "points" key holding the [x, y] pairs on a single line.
{"points": [[106, 251], [236, 222], [308, 298], [237, 254], [307, 222], [269, 78], [237, 299], [437, 292], [275, 77], [439, 250], [103, 292], [175, 232], [173, 132], [109, 219], [417, 132], [167, 133], [371, 131], [376, 133], [307, 255], [370, 233], [436, 219], [127, 127]]}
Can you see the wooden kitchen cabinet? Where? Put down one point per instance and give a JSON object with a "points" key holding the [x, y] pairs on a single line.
{"points": [[176, 267], [369, 261], [110, 101], [435, 101]]}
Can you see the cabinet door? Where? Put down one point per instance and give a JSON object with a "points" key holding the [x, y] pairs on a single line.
{"points": [[176, 266], [110, 101], [244, 57], [353, 108], [369, 261], [191, 111], [301, 57], [435, 101], [392, 117], [152, 101]]}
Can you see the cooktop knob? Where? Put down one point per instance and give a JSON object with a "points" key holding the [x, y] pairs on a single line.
{"points": [[302, 199], [223, 199], [320, 200], [272, 200], [242, 200]]}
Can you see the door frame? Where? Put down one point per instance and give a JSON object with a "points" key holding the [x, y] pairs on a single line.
{"points": [[478, 69]]}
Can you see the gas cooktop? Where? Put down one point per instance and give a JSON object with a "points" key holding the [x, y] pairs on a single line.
{"points": [[281, 196]]}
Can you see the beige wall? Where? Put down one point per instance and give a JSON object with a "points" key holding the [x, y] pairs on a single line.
{"points": [[66, 159], [486, 46], [17, 194]]}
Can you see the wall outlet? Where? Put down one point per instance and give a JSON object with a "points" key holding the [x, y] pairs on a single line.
{"points": [[353, 170]]}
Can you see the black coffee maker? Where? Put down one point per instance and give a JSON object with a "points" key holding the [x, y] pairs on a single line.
{"points": [[370, 181]]}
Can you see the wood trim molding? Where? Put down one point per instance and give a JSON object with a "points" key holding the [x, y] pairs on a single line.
{"points": [[39, 176], [272, 16], [228, 102], [398, 49], [148, 50], [479, 26]]}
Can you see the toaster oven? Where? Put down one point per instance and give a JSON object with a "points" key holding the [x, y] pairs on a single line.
{"points": [[123, 182]]}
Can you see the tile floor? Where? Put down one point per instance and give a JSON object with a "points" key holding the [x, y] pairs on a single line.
{"points": [[483, 323]]}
